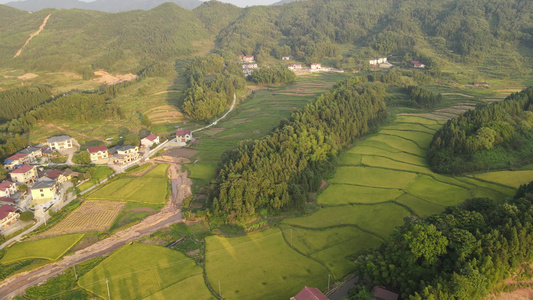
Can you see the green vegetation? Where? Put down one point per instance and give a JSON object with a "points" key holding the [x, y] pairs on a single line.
{"points": [[495, 136], [189, 288], [273, 76], [138, 271], [278, 171], [26, 216], [49, 248], [19, 100], [282, 271], [151, 188], [95, 173], [461, 253]]}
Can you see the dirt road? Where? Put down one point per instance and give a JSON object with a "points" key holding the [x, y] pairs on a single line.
{"points": [[169, 215], [33, 35]]}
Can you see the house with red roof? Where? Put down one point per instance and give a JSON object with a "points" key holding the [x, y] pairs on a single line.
{"points": [[417, 65], [24, 175], [373, 61], [316, 66], [8, 216], [150, 140], [7, 188], [98, 153], [295, 66], [183, 136], [16, 160], [310, 293]]}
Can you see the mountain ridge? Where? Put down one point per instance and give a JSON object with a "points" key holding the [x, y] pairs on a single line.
{"points": [[110, 6]]}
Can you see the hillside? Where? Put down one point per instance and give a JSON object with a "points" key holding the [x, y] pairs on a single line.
{"points": [[111, 6]]}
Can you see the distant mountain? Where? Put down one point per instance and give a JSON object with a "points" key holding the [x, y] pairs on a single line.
{"points": [[112, 6], [285, 1]]}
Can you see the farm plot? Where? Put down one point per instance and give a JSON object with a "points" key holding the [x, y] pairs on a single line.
{"points": [[510, 178], [190, 288], [151, 188], [338, 194], [388, 163], [422, 139], [413, 127], [278, 270], [365, 149], [372, 177], [401, 144], [420, 207], [95, 216], [50, 248], [429, 189], [137, 271]]}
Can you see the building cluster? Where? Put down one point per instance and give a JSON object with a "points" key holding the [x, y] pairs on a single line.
{"points": [[314, 67], [248, 64]]}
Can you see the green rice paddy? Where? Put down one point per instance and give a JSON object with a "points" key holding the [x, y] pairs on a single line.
{"points": [[50, 248]]}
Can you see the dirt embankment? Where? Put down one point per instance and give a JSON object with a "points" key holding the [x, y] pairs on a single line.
{"points": [[109, 79]]}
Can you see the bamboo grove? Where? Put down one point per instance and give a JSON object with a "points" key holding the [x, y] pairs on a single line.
{"points": [[278, 172]]}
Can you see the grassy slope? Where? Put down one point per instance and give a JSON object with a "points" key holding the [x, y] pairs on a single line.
{"points": [[49, 248]]}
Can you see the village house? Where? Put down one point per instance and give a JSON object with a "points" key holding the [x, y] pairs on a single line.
{"points": [[24, 175], [249, 66], [373, 61], [247, 72], [54, 174], [34, 153], [58, 143], [125, 154], [9, 201], [150, 140], [286, 58], [316, 66], [98, 153], [295, 66], [7, 188], [43, 191], [380, 293], [248, 58], [69, 174], [382, 60], [8, 216], [309, 293], [417, 65], [183, 136], [15, 161]]}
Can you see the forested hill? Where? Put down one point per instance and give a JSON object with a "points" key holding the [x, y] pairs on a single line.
{"points": [[493, 35], [100, 5], [494, 136]]}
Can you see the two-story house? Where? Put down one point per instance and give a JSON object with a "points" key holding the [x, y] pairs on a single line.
{"points": [[316, 67], [150, 140], [98, 153], [24, 175], [8, 216], [7, 188], [34, 153], [15, 161], [126, 154], [183, 136], [62, 142], [43, 191]]}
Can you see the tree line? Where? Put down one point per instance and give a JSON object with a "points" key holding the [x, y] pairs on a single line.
{"points": [[496, 135], [19, 100], [212, 82], [461, 253], [273, 76], [277, 173], [423, 97]]}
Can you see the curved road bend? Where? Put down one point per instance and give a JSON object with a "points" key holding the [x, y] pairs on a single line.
{"points": [[170, 214]]}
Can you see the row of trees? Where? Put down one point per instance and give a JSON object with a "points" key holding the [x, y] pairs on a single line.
{"points": [[273, 75], [212, 82], [19, 100], [278, 172], [461, 253], [423, 97], [491, 136]]}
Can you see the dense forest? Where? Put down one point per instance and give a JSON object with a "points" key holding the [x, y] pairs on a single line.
{"points": [[497, 135], [436, 32], [461, 253], [212, 82], [19, 100], [272, 76], [279, 171]]}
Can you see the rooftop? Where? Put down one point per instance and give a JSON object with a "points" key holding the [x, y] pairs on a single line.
{"points": [[54, 174], [16, 156], [58, 139], [43, 184], [97, 149], [23, 169], [310, 293], [5, 210], [183, 132], [151, 137], [29, 150], [8, 200]]}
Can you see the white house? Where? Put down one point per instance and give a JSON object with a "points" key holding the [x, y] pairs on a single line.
{"points": [[295, 66], [43, 191], [249, 66], [373, 61], [150, 140], [8, 216], [98, 153], [382, 60], [316, 66], [7, 188], [183, 136], [61, 142], [125, 154], [286, 58]]}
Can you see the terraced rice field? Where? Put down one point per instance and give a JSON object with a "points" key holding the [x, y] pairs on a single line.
{"points": [[96, 216]]}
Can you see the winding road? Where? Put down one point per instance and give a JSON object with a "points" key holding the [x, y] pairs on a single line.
{"points": [[215, 123], [170, 214]]}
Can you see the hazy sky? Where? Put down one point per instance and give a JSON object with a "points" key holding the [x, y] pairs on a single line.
{"points": [[241, 3]]}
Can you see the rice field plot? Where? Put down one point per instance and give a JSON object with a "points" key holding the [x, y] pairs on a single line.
{"points": [[191, 288], [150, 188], [379, 219], [416, 120], [331, 246], [504, 190], [278, 270], [383, 162], [203, 172], [350, 159], [399, 144], [96, 216], [420, 207], [49, 248], [339, 194], [410, 127], [365, 149], [509, 178], [137, 271], [429, 189], [372, 177], [422, 139]]}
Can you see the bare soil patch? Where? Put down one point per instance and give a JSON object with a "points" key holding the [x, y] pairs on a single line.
{"points": [[193, 253], [143, 209], [180, 152], [28, 76], [113, 79], [521, 294]]}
